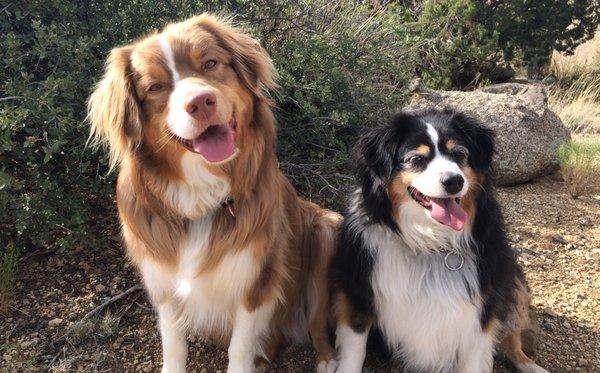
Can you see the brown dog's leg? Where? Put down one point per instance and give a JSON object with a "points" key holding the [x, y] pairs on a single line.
{"points": [[319, 333], [272, 347], [323, 245]]}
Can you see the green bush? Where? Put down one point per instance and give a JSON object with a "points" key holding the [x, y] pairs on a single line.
{"points": [[342, 68], [337, 75], [529, 30], [457, 51], [469, 42]]}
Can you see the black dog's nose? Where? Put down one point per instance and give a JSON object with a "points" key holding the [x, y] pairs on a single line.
{"points": [[452, 182]]}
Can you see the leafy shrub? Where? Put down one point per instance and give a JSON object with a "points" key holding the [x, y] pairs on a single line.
{"points": [[529, 30], [456, 50], [469, 42], [342, 67], [9, 260], [337, 70], [580, 166]]}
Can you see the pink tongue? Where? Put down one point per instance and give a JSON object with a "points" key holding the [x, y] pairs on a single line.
{"points": [[216, 144], [446, 211]]}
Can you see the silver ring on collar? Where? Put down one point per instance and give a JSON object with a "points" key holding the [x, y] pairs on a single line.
{"points": [[462, 261]]}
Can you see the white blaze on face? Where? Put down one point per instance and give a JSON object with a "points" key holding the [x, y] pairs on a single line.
{"points": [[169, 58], [429, 182], [179, 121]]}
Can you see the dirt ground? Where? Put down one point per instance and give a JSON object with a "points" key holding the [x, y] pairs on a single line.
{"points": [[557, 238]]}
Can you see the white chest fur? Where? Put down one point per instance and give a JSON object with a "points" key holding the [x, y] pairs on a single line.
{"points": [[426, 312], [202, 301], [201, 191], [206, 302]]}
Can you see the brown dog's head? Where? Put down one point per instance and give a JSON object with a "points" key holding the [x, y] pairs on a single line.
{"points": [[194, 87]]}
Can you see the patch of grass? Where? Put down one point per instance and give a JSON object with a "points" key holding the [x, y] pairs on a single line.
{"points": [[580, 166], [109, 325], [96, 328], [9, 261], [575, 96], [19, 360], [578, 105], [585, 60]]}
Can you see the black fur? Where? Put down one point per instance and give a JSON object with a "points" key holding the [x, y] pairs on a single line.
{"points": [[378, 157]]}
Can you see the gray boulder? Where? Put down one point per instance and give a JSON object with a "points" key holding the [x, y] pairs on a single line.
{"points": [[528, 133]]}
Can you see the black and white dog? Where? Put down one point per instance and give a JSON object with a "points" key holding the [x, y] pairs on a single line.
{"points": [[423, 255]]}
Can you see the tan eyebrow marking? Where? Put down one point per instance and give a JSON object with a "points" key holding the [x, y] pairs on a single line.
{"points": [[451, 144], [423, 150]]}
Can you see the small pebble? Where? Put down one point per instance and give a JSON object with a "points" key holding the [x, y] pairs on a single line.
{"points": [[585, 222], [55, 322], [548, 326], [117, 343], [559, 239]]}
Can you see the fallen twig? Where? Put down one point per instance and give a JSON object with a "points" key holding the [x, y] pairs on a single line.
{"points": [[11, 98], [96, 311]]}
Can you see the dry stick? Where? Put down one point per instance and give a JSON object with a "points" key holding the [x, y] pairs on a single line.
{"points": [[100, 308]]}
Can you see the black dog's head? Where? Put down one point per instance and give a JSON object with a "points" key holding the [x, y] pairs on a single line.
{"points": [[425, 167]]}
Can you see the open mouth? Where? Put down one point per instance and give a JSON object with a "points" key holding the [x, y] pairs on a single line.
{"points": [[216, 143], [446, 211]]}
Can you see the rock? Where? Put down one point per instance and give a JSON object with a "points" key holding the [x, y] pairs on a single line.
{"points": [[585, 222], [100, 288], [55, 322], [548, 326], [559, 239], [117, 343], [582, 362], [550, 312], [528, 133]]}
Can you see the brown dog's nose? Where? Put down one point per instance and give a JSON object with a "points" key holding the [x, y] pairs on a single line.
{"points": [[202, 105]]}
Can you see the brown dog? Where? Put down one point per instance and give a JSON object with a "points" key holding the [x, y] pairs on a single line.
{"points": [[224, 245]]}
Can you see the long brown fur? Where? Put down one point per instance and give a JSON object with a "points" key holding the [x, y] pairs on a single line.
{"points": [[290, 238]]}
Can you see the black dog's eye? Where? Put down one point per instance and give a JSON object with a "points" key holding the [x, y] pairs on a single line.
{"points": [[460, 154], [415, 160], [210, 64]]}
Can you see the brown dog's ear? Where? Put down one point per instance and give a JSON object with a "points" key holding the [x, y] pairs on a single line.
{"points": [[253, 64], [113, 108], [249, 59]]}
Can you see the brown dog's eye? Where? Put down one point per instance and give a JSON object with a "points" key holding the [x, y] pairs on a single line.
{"points": [[155, 87], [210, 64]]}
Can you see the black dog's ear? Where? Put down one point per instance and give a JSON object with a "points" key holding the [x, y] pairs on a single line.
{"points": [[479, 139], [375, 160]]}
